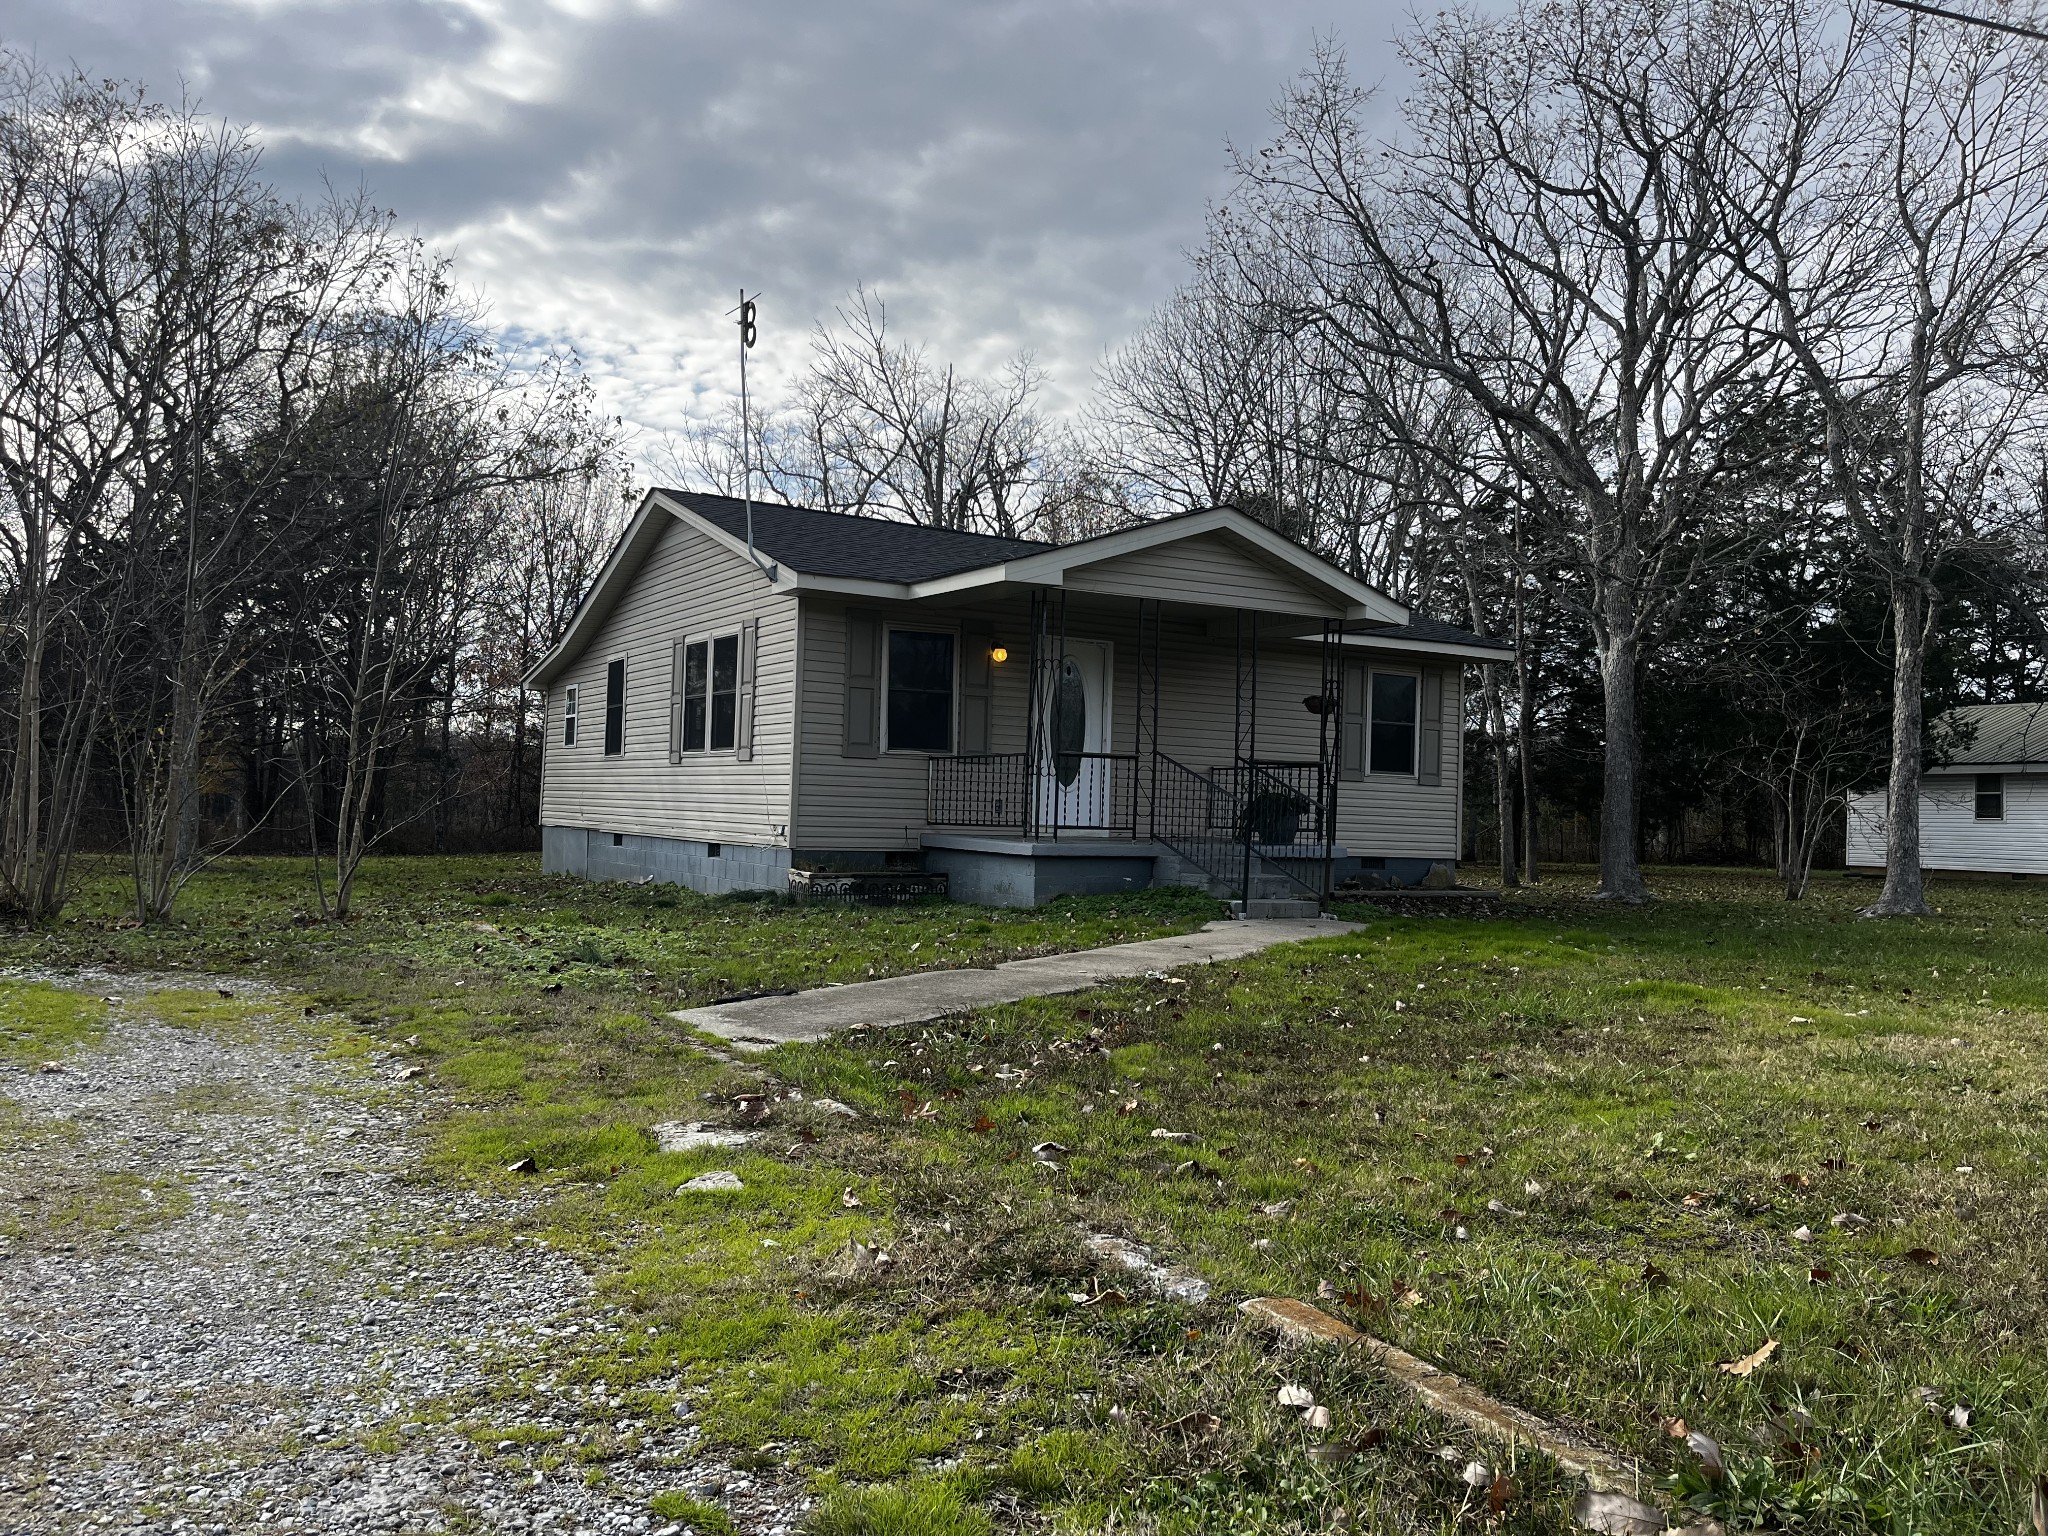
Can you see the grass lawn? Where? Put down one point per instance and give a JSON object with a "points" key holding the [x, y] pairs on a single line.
{"points": [[1582, 1155]]}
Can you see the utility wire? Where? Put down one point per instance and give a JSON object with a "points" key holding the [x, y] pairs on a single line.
{"points": [[1973, 21]]}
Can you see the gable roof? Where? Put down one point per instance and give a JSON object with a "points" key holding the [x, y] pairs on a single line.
{"points": [[799, 548], [2004, 734], [844, 544]]}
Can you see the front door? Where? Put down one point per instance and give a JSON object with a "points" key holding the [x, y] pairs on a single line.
{"points": [[1076, 784]]}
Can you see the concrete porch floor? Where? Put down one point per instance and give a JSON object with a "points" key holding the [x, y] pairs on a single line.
{"points": [[762, 1023]]}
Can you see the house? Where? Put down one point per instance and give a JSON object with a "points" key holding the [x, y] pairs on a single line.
{"points": [[1193, 700], [1983, 804]]}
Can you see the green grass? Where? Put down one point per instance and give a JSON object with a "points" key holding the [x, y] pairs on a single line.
{"points": [[1628, 1113], [39, 1022]]}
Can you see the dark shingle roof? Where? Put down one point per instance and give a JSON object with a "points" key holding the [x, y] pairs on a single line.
{"points": [[1419, 628], [2004, 733], [841, 544]]}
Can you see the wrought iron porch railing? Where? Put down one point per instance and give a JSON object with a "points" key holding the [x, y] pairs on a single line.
{"points": [[986, 790], [1092, 794], [1243, 825]]}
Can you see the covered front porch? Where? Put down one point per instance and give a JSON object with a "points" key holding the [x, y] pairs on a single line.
{"points": [[1109, 793]]}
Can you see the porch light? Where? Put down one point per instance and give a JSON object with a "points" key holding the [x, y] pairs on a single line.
{"points": [[998, 654]]}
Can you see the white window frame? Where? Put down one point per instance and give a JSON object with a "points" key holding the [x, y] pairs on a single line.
{"points": [[1978, 796], [709, 640], [953, 712], [1414, 770], [569, 720]]}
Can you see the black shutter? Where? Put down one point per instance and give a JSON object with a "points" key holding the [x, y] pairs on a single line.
{"points": [[614, 708]]}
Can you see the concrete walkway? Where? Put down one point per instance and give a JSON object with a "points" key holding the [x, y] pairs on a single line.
{"points": [[762, 1023]]}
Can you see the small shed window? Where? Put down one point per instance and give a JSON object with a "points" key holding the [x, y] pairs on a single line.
{"points": [[614, 708], [920, 691], [1393, 722], [711, 694], [1991, 797], [569, 716]]}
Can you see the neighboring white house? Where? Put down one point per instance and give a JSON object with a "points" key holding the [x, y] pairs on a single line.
{"points": [[1195, 700], [1985, 808]]}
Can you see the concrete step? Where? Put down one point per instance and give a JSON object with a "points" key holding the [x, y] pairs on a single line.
{"points": [[1274, 907]]}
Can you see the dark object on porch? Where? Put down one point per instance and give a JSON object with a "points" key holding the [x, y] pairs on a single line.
{"points": [[1273, 815], [889, 889]]}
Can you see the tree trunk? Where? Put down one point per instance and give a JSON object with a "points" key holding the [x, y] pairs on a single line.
{"points": [[1621, 872], [1503, 778], [1525, 753], [1904, 893]]}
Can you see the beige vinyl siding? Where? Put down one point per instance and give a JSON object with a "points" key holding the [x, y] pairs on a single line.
{"points": [[879, 803], [687, 587], [1396, 816], [1951, 837], [1206, 569], [869, 803]]}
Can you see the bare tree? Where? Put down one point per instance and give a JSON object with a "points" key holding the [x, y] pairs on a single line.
{"points": [[1543, 239], [1893, 208]]}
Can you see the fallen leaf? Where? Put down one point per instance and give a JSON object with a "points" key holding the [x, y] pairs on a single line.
{"points": [[1708, 1451], [1925, 1256], [1197, 1425], [1128, 1107], [1317, 1418], [1108, 1300], [1338, 1451], [983, 1125], [524, 1165], [1616, 1514], [849, 1199], [1477, 1474], [1047, 1151], [1293, 1395], [1306, 1166], [1531, 1188], [1161, 1133], [1848, 1221], [1462, 1159], [1959, 1417], [1675, 1428], [1405, 1295], [1802, 1234], [1624, 1194], [1745, 1364], [1819, 1276], [1500, 1494], [1698, 1198], [1653, 1277], [1795, 1181]]}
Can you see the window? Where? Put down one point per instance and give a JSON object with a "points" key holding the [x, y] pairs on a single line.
{"points": [[920, 691], [569, 716], [714, 850], [614, 708], [711, 694], [1990, 797], [1393, 722]]}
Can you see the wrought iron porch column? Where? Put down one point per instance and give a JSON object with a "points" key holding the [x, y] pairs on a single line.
{"points": [[1246, 744], [1146, 773]]}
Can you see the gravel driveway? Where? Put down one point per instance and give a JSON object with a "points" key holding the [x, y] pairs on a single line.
{"points": [[265, 1323]]}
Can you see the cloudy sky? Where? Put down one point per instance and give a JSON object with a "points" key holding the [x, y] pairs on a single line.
{"points": [[1006, 173]]}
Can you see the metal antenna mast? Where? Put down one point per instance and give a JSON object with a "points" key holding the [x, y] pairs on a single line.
{"points": [[747, 333]]}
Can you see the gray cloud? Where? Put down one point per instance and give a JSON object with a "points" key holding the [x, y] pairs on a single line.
{"points": [[1006, 175]]}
